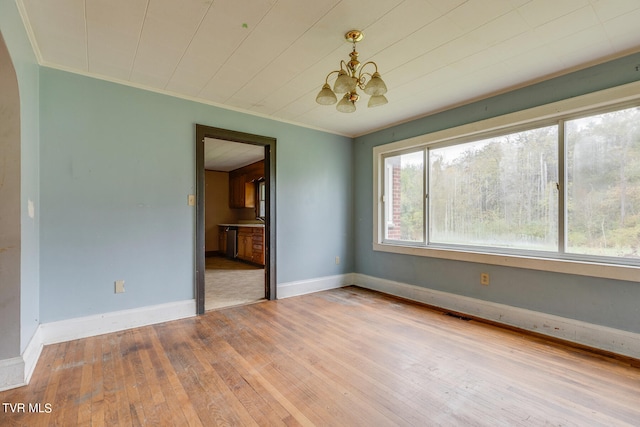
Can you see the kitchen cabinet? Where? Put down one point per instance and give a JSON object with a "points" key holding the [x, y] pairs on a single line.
{"points": [[251, 244], [242, 193], [258, 246], [245, 249], [242, 185]]}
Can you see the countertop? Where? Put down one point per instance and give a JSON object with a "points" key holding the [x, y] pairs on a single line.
{"points": [[261, 225]]}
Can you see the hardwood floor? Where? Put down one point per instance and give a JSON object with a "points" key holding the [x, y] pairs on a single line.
{"points": [[344, 357]]}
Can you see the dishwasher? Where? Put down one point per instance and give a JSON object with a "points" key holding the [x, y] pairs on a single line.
{"points": [[232, 242]]}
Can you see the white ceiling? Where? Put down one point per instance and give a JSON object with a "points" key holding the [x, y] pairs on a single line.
{"points": [[270, 57], [225, 156]]}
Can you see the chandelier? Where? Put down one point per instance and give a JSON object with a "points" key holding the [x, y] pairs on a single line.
{"points": [[352, 76]]}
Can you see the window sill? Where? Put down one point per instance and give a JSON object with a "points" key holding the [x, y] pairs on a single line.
{"points": [[581, 268]]}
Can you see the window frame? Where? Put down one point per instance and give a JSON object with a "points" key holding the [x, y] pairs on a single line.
{"points": [[556, 113], [388, 208], [261, 186]]}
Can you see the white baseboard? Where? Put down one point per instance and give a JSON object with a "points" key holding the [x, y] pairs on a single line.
{"points": [[596, 336], [302, 287], [11, 373], [17, 371], [89, 326], [31, 354]]}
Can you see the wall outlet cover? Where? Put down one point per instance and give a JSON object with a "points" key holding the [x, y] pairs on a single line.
{"points": [[484, 279], [119, 288]]}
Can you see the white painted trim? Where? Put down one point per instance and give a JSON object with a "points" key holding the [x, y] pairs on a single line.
{"points": [[43, 63], [16, 372], [31, 354], [30, 34], [591, 101], [594, 101], [596, 336], [302, 287], [581, 268], [83, 327], [11, 373]]}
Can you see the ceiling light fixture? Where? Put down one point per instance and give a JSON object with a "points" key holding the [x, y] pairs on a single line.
{"points": [[351, 76]]}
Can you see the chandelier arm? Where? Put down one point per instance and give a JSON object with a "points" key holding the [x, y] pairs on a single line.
{"points": [[362, 76], [367, 63], [326, 80], [345, 66]]}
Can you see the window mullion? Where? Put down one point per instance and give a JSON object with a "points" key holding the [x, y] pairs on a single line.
{"points": [[425, 183], [562, 188]]}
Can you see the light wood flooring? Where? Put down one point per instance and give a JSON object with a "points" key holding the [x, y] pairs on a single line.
{"points": [[344, 357]]}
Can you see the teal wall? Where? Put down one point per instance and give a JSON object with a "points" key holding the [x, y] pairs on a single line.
{"points": [[117, 166], [604, 302], [27, 70]]}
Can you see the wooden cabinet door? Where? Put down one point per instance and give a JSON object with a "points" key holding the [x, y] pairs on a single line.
{"points": [[258, 245], [242, 185], [250, 194], [245, 250], [251, 244], [236, 190], [242, 245], [248, 251]]}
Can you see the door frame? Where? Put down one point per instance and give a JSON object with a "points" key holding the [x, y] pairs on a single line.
{"points": [[269, 145]]}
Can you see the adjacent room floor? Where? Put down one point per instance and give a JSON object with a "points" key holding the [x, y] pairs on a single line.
{"points": [[229, 283]]}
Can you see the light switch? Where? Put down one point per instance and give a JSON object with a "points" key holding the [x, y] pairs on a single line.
{"points": [[192, 200]]}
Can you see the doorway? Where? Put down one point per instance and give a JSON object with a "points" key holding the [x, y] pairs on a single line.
{"points": [[267, 204]]}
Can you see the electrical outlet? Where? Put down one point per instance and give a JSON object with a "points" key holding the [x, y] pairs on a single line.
{"points": [[337, 260], [119, 288], [484, 279]]}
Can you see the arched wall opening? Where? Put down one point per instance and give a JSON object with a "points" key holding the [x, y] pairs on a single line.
{"points": [[10, 234]]}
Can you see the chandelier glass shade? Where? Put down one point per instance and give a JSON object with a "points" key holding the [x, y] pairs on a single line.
{"points": [[326, 96], [351, 77]]}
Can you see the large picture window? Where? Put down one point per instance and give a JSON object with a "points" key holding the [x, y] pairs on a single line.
{"points": [[603, 184], [498, 192], [566, 188]]}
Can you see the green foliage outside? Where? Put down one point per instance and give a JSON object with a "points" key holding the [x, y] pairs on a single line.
{"points": [[497, 192], [503, 192], [603, 156]]}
